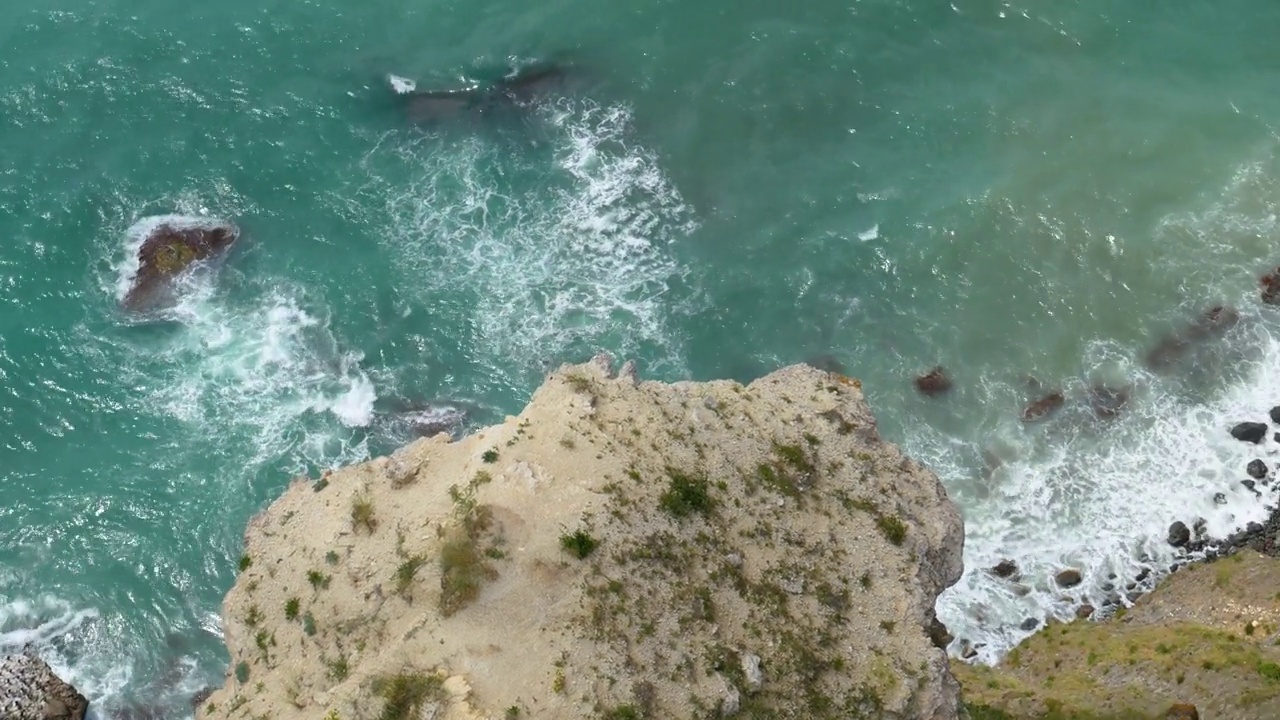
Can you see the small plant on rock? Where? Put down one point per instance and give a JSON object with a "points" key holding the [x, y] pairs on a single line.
{"points": [[580, 544], [490, 455], [362, 514]]}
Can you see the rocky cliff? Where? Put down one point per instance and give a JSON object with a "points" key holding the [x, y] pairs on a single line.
{"points": [[622, 549]]}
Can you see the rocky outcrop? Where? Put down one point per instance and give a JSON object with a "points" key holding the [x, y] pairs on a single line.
{"points": [[169, 249], [30, 690], [621, 549], [1204, 642]]}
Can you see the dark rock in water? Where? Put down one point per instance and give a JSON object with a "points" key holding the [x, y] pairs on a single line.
{"points": [[169, 250], [198, 699], [1068, 578], [519, 89], [1270, 283], [826, 362], [1043, 407], [1253, 528], [939, 634], [435, 419], [1182, 711], [1005, 569], [1219, 499], [1029, 624], [1107, 402], [1199, 527], [934, 382], [1214, 321], [1251, 485], [1146, 573], [1084, 612], [1252, 432], [29, 690], [1275, 414], [1256, 469], [968, 650]]}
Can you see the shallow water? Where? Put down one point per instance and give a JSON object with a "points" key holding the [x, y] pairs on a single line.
{"points": [[1011, 189]]}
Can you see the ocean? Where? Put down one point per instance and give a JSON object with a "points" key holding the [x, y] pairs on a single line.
{"points": [[1030, 194]]}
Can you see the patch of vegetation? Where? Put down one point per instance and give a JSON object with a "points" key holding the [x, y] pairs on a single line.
{"points": [[245, 562], [623, 712], [686, 495], [567, 443], [1269, 670], [338, 669], [512, 713], [362, 514], [309, 624], [253, 616], [463, 568], [579, 383], [406, 571], [490, 455], [291, 607], [331, 557], [580, 544], [986, 712], [320, 484], [893, 529], [405, 696], [242, 672], [318, 580]]}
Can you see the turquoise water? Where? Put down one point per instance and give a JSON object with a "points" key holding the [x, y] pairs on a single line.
{"points": [[1007, 188]]}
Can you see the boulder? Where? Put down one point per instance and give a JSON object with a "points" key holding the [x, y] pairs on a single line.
{"points": [[1179, 534], [1029, 624], [1256, 469], [939, 634], [1068, 578], [1084, 612], [1005, 569], [1270, 283], [1043, 407], [1275, 414], [170, 249], [1252, 432], [934, 382], [29, 690]]}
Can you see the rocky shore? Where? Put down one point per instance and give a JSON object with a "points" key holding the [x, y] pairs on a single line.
{"points": [[30, 690], [621, 549], [1205, 642]]}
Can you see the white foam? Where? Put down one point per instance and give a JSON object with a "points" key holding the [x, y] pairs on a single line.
{"points": [[561, 258], [401, 85], [870, 234], [1100, 499]]}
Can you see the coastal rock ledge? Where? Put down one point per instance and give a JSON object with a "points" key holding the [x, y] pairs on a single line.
{"points": [[620, 550], [30, 690]]}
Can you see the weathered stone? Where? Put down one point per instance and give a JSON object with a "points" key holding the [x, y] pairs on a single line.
{"points": [[939, 634], [1252, 432], [1005, 569], [1068, 578], [1183, 711], [1084, 612], [1256, 469], [752, 672], [29, 690], [169, 250], [934, 382], [1043, 407], [1179, 534], [1219, 498], [1029, 624]]}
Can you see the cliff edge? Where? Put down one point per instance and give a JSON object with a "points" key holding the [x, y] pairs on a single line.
{"points": [[621, 549]]}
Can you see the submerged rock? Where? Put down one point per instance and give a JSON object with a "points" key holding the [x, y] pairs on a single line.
{"points": [[170, 249], [1043, 407], [1252, 432], [1106, 401], [1068, 578], [934, 382], [1270, 283], [1005, 569], [29, 690]]}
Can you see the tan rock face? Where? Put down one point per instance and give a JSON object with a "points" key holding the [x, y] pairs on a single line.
{"points": [[621, 549]]}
